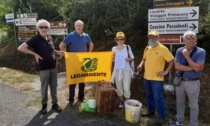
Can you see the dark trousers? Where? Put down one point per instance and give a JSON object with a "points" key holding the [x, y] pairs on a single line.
{"points": [[72, 91]]}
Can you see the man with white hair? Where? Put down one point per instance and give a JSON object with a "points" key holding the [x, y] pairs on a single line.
{"points": [[44, 53], [154, 58], [190, 60], [77, 41]]}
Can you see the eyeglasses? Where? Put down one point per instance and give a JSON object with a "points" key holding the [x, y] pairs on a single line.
{"points": [[45, 27], [190, 37], [120, 39]]}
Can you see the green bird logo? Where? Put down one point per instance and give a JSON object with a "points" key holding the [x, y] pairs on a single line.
{"points": [[89, 65]]}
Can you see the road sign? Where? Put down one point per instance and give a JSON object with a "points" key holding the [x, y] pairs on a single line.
{"points": [[58, 32], [170, 39], [173, 14], [9, 16], [27, 15], [26, 28], [24, 36], [171, 3], [25, 21], [58, 25], [174, 27]]}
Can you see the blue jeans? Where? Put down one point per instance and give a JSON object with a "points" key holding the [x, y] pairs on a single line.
{"points": [[154, 91]]}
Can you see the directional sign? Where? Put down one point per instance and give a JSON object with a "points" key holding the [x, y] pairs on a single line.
{"points": [[25, 21], [27, 15], [9, 16], [58, 25], [174, 27], [173, 14], [170, 39], [171, 3], [58, 32]]}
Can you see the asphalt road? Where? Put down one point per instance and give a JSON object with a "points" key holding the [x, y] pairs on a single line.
{"points": [[14, 112]]}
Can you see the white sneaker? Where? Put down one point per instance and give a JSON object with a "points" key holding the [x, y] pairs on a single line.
{"points": [[121, 105]]}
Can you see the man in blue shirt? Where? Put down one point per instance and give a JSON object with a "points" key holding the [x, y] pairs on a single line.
{"points": [[191, 65], [77, 41]]}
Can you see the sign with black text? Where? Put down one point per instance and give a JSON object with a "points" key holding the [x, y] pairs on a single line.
{"points": [[174, 27], [173, 14]]}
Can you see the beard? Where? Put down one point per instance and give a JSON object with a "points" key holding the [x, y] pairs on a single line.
{"points": [[153, 42]]}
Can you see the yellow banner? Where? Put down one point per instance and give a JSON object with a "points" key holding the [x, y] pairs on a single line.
{"points": [[88, 67]]}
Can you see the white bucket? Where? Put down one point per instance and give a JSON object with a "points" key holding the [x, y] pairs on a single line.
{"points": [[132, 110]]}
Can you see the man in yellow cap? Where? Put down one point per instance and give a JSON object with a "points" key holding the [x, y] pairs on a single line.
{"points": [[154, 58]]}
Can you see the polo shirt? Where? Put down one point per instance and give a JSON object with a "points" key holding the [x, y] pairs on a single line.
{"points": [[155, 59], [42, 47], [198, 57], [76, 42]]}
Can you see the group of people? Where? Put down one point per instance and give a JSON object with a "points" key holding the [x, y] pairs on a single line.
{"points": [[189, 59]]}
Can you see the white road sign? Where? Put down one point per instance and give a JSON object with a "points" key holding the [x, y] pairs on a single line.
{"points": [[25, 21], [174, 27], [9, 16], [58, 32], [173, 14]]}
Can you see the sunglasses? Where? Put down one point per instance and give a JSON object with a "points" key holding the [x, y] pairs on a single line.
{"points": [[120, 39], [43, 27]]}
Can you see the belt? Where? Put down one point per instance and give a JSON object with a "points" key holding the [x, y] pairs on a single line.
{"points": [[187, 79]]}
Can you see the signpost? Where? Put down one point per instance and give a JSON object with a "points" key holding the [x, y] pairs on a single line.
{"points": [[171, 3]]}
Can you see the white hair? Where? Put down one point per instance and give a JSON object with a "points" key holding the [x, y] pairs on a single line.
{"points": [[79, 22], [42, 21], [189, 33]]}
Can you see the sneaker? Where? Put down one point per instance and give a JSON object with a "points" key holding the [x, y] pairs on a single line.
{"points": [[56, 107], [149, 114], [160, 121], [121, 105], [175, 123], [44, 109], [82, 100]]}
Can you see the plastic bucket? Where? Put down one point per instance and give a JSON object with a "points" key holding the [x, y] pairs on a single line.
{"points": [[132, 110]]}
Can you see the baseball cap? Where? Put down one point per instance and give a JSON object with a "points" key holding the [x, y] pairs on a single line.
{"points": [[120, 34], [153, 32]]}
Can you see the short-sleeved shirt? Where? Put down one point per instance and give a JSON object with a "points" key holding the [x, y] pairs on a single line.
{"points": [[198, 57], [155, 59], [45, 49], [76, 42]]}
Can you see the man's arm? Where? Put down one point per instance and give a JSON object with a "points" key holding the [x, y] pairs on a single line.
{"points": [[24, 48], [62, 46], [163, 73], [193, 65], [139, 68], [91, 46]]}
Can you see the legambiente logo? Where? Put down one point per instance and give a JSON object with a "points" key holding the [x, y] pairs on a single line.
{"points": [[89, 65]]}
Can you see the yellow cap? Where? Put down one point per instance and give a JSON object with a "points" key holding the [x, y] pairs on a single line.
{"points": [[120, 34], [153, 32]]}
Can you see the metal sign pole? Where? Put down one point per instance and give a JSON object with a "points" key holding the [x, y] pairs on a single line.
{"points": [[170, 74], [17, 54]]}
